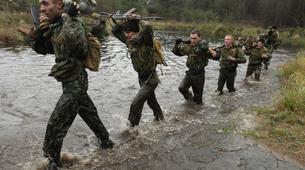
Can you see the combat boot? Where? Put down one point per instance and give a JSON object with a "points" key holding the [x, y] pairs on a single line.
{"points": [[51, 165], [105, 143]]}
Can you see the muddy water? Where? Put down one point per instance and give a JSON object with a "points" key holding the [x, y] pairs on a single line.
{"points": [[191, 137]]}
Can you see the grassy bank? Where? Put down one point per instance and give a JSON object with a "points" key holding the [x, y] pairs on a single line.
{"points": [[291, 37], [8, 28], [282, 125]]}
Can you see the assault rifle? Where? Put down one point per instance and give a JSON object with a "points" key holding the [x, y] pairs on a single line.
{"points": [[127, 15]]}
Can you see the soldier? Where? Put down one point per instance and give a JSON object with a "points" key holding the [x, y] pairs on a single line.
{"points": [[198, 52], [65, 37], [256, 55], [95, 23], [140, 46], [231, 56], [272, 41]]}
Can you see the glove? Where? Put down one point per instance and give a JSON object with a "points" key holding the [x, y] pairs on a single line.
{"points": [[178, 41], [72, 9]]}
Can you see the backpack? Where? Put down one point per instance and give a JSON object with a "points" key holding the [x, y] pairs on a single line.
{"points": [[158, 52], [93, 59]]}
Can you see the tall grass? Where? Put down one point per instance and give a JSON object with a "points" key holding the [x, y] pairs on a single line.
{"points": [[282, 126], [8, 27]]}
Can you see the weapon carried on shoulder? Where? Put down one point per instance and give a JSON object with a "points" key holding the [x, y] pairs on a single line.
{"points": [[126, 15], [25, 30]]}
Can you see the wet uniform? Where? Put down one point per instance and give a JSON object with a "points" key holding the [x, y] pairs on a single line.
{"points": [[141, 53], [255, 61], [227, 72], [66, 39], [197, 60]]}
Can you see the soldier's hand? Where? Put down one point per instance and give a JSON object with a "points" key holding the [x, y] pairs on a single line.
{"points": [[178, 41], [71, 9], [43, 18], [265, 56], [133, 16], [204, 45], [230, 58]]}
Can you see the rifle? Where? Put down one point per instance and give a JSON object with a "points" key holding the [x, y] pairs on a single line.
{"points": [[126, 15]]}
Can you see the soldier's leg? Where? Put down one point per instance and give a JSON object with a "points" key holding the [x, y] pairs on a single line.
{"points": [[221, 82], [136, 106], [197, 87], [88, 113], [250, 70], [257, 72], [231, 80], [184, 87], [154, 105], [58, 125]]}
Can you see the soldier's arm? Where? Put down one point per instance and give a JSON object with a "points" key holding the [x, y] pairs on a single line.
{"points": [[118, 33], [266, 54], [40, 45], [73, 38], [241, 58], [147, 33], [213, 54]]}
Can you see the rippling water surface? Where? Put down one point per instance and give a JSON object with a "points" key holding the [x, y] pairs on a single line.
{"points": [[191, 137]]}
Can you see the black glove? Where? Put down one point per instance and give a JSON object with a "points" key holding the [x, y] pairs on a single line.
{"points": [[71, 9], [178, 41]]}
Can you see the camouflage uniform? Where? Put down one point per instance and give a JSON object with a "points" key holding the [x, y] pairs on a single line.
{"points": [[66, 39], [141, 51], [227, 72], [197, 60], [255, 61], [272, 42]]}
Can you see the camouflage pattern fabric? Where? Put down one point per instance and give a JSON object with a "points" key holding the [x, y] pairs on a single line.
{"points": [[255, 61], [66, 39], [141, 53], [197, 59], [228, 66]]}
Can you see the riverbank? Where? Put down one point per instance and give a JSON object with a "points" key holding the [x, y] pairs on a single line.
{"points": [[281, 126], [291, 37]]}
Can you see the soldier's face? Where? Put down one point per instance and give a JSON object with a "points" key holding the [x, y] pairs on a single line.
{"points": [[51, 8], [260, 44], [228, 41], [129, 34], [195, 39]]}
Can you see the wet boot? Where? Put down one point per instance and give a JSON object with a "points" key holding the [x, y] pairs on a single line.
{"points": [[220, 92], [105, 143], [52, 165], [158, 117]]}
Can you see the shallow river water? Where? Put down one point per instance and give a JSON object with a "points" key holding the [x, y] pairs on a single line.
{"points": [[191, 137]]}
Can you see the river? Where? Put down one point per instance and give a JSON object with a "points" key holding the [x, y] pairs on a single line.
{"points": [[190, 137]]}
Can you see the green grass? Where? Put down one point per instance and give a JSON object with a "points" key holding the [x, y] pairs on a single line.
{"points": [[294, 37], [282, 126], [8, 28]]}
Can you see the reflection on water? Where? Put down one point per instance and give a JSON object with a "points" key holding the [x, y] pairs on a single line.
{"points": [[28, 97]]}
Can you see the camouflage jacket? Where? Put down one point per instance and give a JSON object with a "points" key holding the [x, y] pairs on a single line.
{"points": [[226, 53], [66, 39], [197, 56], [255, 54], [140, 48]]}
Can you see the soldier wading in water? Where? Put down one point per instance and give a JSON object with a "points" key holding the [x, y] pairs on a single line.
{"points": [[61, 33]]}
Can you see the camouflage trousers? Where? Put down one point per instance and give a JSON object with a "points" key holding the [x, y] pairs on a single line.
{"points": [[254, 68], [196, 81], [146, 93], [73, 101], [226, 76]]}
